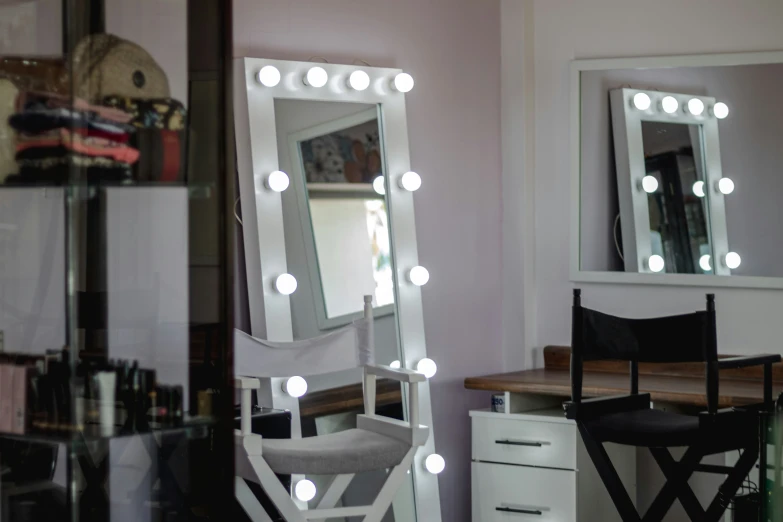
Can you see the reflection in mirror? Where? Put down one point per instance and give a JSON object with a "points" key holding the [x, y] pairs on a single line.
{"points": [[678, 216], [338, 248]]}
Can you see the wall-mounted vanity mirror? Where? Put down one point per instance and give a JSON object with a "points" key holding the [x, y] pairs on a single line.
{"points": [[326, 194], [675, 163]]}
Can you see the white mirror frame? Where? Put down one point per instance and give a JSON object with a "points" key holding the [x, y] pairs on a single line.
{"points": [[300, 186], [630, 162], [270, 311], [700, 280]]}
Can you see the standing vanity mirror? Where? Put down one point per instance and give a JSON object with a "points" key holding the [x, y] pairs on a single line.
{"points": [[326, 193], [675, 170]]}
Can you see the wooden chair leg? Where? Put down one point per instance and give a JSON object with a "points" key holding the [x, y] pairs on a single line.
{"points": [[390, 488], [609, 476], [677, 475]]}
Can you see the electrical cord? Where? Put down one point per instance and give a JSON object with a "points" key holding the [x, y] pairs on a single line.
{"points": [[616, 242]]}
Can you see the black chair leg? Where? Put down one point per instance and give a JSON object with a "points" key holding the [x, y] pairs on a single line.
{"points": [[732, 484], [677, 475], [609, 476]]}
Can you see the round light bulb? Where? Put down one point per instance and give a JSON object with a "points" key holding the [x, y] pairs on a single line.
{"points": [[698, 189], [285, 284], [435, 464], [419, 275], [704, 262], [641, 101], [277, 181], [410, 181], [655, 263], [395, 365], [726, 186], [720, 110], [359, 80], [670, 105], [695, 106], [316, 77], [733, 260], [269, 76], [295, 386], [379, 185], [427, 367], [649, 184], [403, 82], [305, 490]]}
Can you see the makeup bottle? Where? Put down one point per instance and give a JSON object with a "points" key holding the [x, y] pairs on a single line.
{"points": [[106, 382]]}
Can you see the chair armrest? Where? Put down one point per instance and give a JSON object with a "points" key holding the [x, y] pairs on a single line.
{"points": [[591, 408], [246, 383], [415, 435], [396, 374], [744, 362]]}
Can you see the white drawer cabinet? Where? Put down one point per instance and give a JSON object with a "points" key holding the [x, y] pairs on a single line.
{"points": [[533, 467]]}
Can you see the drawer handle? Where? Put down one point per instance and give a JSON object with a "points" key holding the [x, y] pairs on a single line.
{"points": [[520, 511], [528, 443]]}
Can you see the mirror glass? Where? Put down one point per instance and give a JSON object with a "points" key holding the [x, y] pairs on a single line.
{"points": [[679, 231], [745, 149], [337, 244]]}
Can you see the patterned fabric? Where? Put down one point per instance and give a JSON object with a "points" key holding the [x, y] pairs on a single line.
{"points": [[163, 114], [32, 100], [75, 142], [38, 119]]}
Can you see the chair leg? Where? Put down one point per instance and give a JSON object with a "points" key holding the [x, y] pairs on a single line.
{"points": [[249, 502], [390, 488], [609, 476], [275, 490], [732, 484], [676, 487], [333, 493]]}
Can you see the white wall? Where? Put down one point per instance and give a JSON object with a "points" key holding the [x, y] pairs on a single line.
{"points": [[452, 49], [748, 320]]}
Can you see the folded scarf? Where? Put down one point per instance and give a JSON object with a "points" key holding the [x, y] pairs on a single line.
{"points": [[30, 99], [162, 113], [65, 139], [58, 171], [38, 119]]}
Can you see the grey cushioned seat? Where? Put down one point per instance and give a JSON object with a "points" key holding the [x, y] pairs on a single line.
{"points": [[350, 451]]}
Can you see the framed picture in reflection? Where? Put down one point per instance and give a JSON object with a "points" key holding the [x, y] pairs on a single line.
{"points": [[346, 155]]}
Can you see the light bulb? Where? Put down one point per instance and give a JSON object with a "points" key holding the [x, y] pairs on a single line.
{"points": [[641, 101], [649, 184], [295, 386], [704, 262], [403, 82], [269, 76], [435, 464], [695, 106], [655, 263], [418, 275], [726, 186], [395, 365], [427, 367], [410, 181], [669, 104], [720, 110], [698, 189], [305, 490], [359, 80], [733, 260], [285, 284], [379, 185], [277, 181], [316, 77]]}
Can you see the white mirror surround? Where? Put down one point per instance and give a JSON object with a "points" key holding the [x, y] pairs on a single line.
{"points": [[257, 157]]}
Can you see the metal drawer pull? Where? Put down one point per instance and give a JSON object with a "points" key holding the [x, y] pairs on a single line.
{"points": [[520, 511], [529, 443]]}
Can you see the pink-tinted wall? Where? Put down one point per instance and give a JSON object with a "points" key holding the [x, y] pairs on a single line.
{"points": [[452, 48]]}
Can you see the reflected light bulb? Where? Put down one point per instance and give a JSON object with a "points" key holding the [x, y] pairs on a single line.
{"points": [[695, 106], [698, 189], [435, 464], [286, 284], [649, 184], [316, 77], [427, 367], [669, 104], [277, 181], [720, 110], [269, 76], [704, 262], [403, 82], [726, 186], [305, 490], [641, 101], [418, 275], [410, 181], [379, 185], [295, 386], [359, 80], [733, 260], [395, 364], [655, 263]]}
